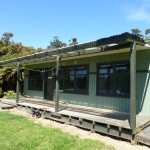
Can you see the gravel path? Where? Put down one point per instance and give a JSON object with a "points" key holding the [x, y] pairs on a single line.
{"points": [[118, 144]]}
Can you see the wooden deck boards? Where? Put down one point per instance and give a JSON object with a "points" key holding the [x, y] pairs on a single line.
{"points": [[8, 101], [144, 136], [108, 117], [101, 115]]}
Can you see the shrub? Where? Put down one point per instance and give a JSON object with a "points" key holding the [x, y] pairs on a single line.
{"points": [[9, 94]]}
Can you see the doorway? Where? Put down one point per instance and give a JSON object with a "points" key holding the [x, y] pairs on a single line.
{"points": [[49, 87]]}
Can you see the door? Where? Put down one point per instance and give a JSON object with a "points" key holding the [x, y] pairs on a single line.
{"points": [[49, 87]]}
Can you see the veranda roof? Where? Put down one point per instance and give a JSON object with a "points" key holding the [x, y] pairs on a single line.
{"points": [[115, 42]]}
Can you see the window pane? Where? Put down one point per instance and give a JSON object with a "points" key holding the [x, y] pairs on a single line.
{"points": [[81, 70], [81, 82], [103, 70], [70, 71], [122, 68], [123, 80], [105, 79], [69, 83], [35, 82], [81, 79], [105, 84], [106, 69], [123, 84], [69, 79]]}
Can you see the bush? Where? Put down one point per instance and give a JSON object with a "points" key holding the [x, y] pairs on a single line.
{"points": [[1, 93], [9, 94]]}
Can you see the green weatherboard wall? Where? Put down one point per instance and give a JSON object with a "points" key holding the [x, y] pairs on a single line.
{"points": [[113, 103], [143, 82]]}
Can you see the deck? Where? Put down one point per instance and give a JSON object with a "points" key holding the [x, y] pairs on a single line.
{"points": [[5, 106], [98, 120], [100, 115], [144, 136]]}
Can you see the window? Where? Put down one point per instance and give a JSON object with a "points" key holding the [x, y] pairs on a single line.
{"points": [[74, 79], [35, 81], [113, 79]]}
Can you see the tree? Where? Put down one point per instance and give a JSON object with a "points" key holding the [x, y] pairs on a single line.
{"points": [[7, 36], [40, 49], [8, 50], [56, 43], [73, 41], [147, 31], [136, 31]]}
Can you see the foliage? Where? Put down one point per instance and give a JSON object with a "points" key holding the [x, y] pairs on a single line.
{"points": [[73, 41], [19, 133], [9, 94], [13, 50], [135, 31], [7, 36], [147, 31], [9, 50], [56, 43], [8, 77], [5, 75], [1, 93]]}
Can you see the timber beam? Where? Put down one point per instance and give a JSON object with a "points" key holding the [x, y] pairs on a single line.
{"points": [[57, 84], [18, 83], [133, 87]]}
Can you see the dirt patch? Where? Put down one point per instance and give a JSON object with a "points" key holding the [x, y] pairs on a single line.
{"points": [[118, 144]]}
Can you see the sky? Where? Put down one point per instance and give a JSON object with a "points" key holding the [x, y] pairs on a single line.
{"points": [[36, 22]]}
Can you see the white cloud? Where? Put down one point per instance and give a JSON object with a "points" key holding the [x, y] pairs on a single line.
{"points": [[139, 13]]}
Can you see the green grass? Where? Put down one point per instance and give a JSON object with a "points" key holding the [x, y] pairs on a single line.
{"points": [[19, 133]]}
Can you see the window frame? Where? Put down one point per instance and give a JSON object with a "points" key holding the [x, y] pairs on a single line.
{"points": [[75, 91], [114, 64]]}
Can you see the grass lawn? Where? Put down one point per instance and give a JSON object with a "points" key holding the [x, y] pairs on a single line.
{"points": [[19, 133]]}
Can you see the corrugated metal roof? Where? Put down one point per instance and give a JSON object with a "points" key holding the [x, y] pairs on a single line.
{"points": [[115, 39]]}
